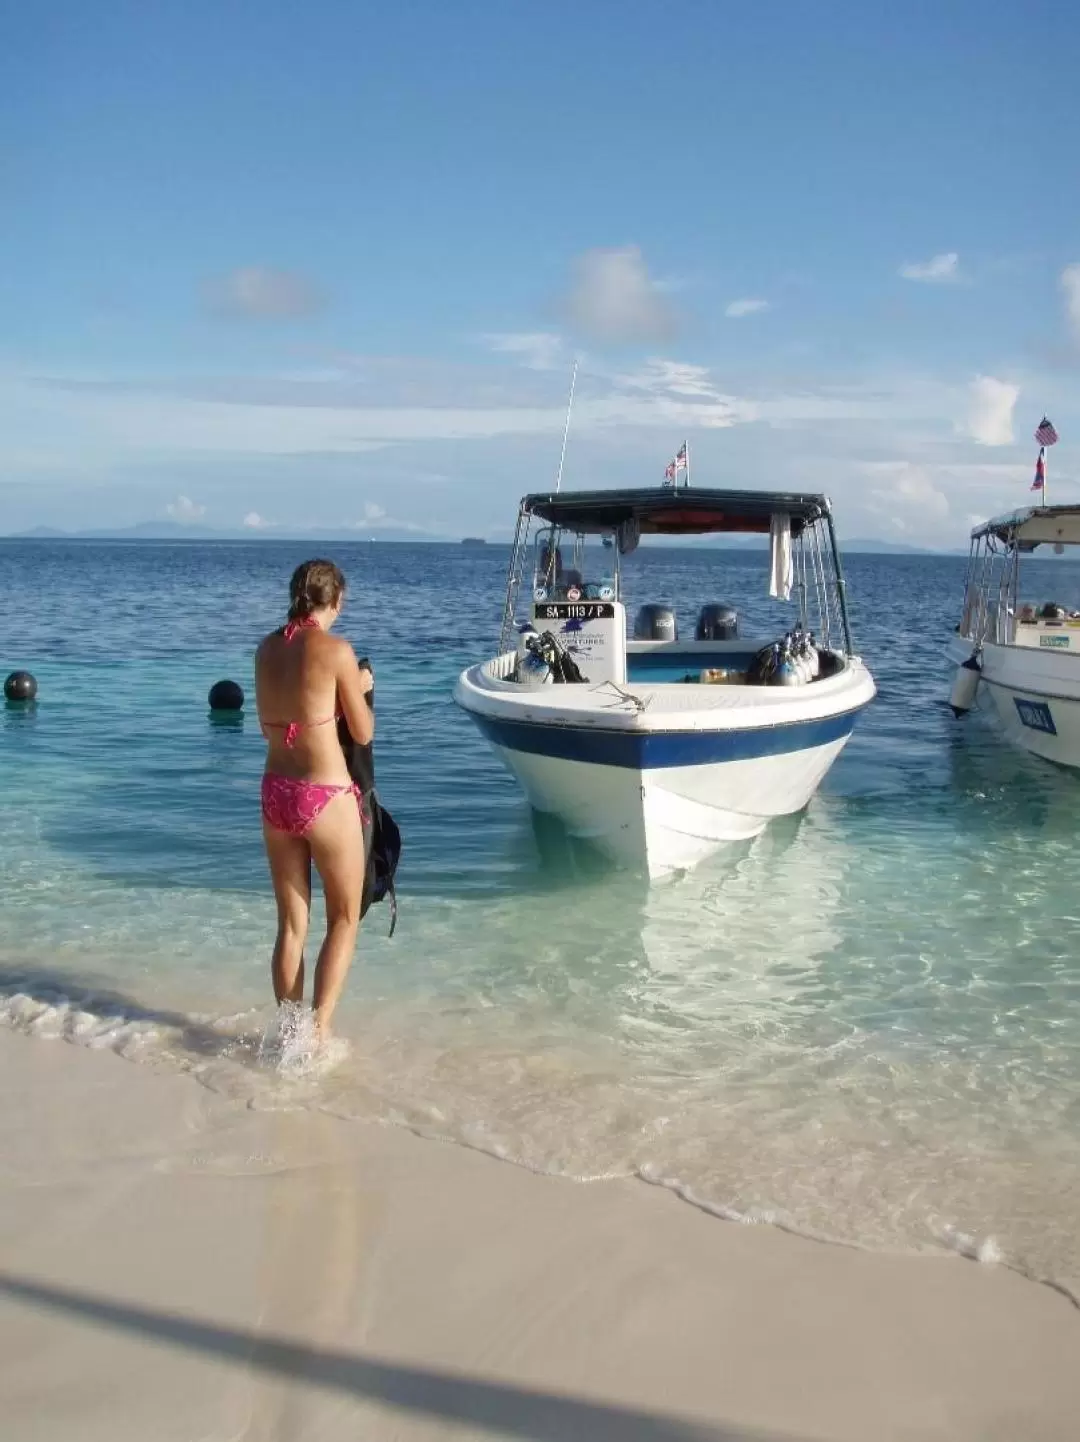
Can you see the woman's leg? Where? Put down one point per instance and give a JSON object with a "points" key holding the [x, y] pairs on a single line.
{"points": [[337, 848], [290, 871]]}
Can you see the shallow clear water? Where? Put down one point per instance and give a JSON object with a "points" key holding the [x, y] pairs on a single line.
{"points": [[866, 1025]]}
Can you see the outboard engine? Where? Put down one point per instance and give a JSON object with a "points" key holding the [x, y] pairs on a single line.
{"points": [[656, 623], [717, 623]]}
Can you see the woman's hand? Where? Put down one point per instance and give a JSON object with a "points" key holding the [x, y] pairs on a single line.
{"points": [[354, 685]]}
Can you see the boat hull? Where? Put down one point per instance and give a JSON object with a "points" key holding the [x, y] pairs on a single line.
{"points": [[1035, 696], [660, 800]]}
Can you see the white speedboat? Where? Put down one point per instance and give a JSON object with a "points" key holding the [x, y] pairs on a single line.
{"points": [[1022, 656], [659, 749]]}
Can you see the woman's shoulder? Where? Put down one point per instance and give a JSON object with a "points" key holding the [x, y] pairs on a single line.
{"points": [[268, 641]]}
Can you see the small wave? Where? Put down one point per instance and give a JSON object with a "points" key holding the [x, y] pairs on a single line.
{"points": [[279, 1061], [292, 1046], [986, 1251]]}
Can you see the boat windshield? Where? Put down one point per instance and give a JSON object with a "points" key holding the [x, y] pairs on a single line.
{"points": [[566, 568]]}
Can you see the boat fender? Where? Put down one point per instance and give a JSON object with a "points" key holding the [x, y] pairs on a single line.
{"points": [[965, 685]]}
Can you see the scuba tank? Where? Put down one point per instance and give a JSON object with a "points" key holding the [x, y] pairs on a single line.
{"points": [[807, 656], [534, 667], [531, 669], [786, 672]]}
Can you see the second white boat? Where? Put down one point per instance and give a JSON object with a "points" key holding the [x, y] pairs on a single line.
{"points": [[1021, 656]]}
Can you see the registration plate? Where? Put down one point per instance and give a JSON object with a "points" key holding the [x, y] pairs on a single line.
{"points": [[575, 611]]}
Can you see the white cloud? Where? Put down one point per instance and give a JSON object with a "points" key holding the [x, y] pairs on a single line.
{"points": [[675, 377], [384, 522], [539, 350], [613, 299], [990, 414], [254, 522], [373, 512], [748, 306], [256, 292], [184, 510], [938, 270], [1070, 284], [906, 487]]}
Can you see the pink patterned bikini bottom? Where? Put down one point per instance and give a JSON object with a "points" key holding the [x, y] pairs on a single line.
{"points": [[294, 806]]}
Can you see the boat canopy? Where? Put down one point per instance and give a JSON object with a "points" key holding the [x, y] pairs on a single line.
{"points": [[688, 511], [1034, 526]]}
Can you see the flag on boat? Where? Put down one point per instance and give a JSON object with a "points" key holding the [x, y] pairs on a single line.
{"points": [[680, 463], [1046, 435], [1039, 483]]}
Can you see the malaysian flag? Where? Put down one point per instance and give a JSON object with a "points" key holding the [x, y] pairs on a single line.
{"points": [[1039, 483], [1046, 435]]}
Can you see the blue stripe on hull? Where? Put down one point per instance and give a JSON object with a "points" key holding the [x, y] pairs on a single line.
{"points": [[648, 751]]}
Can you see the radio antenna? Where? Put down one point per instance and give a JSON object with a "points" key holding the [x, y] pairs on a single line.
{"points": [[566, 429]]}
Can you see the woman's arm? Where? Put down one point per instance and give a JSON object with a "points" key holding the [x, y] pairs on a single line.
{"points": [[353, 687]]}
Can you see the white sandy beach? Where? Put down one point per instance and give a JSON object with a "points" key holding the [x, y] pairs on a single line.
{"points": [[179, 1268]]}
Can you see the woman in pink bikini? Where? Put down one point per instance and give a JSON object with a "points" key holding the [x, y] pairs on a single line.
{"points": [[305, 680]]}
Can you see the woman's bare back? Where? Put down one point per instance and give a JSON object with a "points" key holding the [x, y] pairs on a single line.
{"points": [[302, 685]]}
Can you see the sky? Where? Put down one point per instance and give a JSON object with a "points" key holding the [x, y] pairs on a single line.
{"points": [[281, 266]]}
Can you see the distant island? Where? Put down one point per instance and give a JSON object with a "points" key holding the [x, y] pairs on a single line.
{"points": [[193, 533]]}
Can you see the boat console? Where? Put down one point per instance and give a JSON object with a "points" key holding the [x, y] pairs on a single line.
{"points": [[1048, 628], [592, 634]]}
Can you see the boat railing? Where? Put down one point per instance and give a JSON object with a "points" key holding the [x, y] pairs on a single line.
{"points": [[817, 583], [501, 668]]}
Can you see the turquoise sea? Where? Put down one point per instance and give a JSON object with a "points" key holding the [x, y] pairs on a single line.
{"points": [[864, 1026]]}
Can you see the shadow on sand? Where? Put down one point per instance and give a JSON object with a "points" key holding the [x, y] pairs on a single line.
{"points": [[495, 1407]]}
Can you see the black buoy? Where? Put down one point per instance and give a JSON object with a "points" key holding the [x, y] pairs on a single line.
{"points": [[226, 696], [20, 686]]}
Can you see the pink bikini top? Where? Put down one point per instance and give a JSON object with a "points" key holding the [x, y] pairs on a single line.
{"points": [[293, 728]]}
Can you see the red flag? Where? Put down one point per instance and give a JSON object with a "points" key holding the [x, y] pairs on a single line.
{"points": [[1040, 471]]}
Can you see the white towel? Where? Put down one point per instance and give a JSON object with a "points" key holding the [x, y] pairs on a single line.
{"points": [[629, 534], [780, 569]]}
